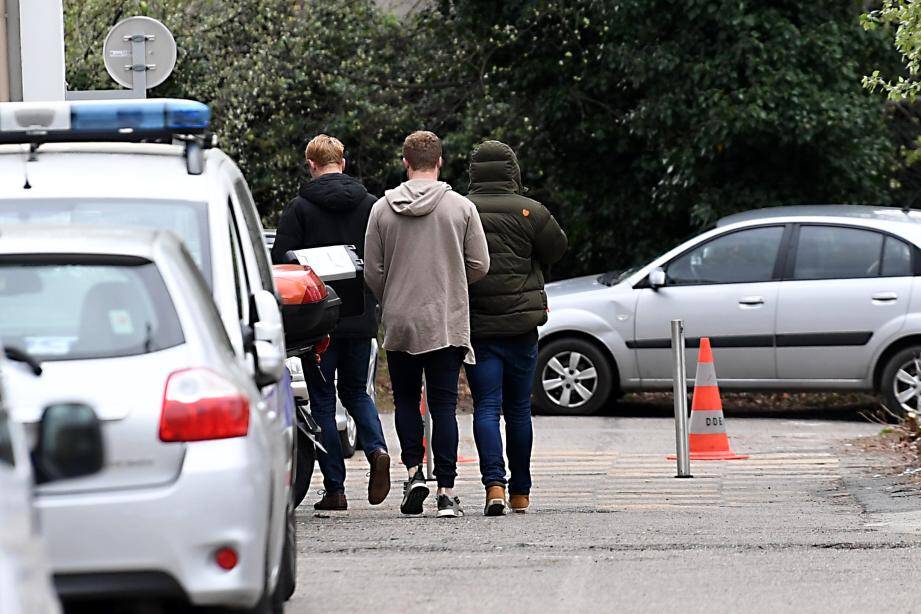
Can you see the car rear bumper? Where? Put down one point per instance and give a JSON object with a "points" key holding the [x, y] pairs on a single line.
{"points": [[116, 542]]}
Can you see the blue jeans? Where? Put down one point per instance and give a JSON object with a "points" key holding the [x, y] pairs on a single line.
{"points": [[441, 368], [501, 383], [349, 359]]}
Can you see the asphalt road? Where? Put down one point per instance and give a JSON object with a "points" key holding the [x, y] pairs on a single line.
{"points": [[803, 525]]}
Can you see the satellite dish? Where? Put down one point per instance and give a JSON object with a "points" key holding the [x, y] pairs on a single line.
{"points": [[159, 51]]}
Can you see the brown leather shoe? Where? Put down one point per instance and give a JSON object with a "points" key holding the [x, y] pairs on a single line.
{"points": [[495, 500], [379, 481], [519, 503], [332, 503]]}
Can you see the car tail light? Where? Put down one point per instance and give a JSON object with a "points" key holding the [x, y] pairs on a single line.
{"points": [[298, 284], [199, 404], [226, 558], [322, 345]]}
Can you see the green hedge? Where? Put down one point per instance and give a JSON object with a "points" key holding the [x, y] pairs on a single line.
{"points": [[637, 121]]}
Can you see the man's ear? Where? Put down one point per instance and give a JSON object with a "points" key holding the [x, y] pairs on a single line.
{"points": [[439, 163], [342, 165], [311, 166], [406, 164]]}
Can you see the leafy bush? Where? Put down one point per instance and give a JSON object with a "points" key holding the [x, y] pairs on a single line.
{"points": [[637, 121]]}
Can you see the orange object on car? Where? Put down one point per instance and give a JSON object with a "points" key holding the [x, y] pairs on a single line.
{"points": [[298, 284]]}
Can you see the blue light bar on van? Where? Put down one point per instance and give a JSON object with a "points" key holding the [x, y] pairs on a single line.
{"points": [[118, 118]]}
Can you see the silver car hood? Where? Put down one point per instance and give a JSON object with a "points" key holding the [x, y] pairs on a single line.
{"points": [[576, 285]]}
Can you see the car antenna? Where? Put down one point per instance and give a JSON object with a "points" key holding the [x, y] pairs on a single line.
{"points": [[33, 147]]}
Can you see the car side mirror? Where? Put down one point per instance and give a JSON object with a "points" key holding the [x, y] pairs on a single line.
{"points": [[70, 443], [270, 363], [657, 278]]}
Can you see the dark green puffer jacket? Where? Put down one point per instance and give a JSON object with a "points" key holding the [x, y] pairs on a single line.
{"points": [[522, 235]]}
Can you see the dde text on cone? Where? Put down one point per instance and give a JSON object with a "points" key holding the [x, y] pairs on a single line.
{"points": [[708, 439]]}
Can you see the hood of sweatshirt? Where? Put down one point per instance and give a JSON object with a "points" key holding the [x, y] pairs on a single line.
{"points": [[416, 197], [335, 191]]}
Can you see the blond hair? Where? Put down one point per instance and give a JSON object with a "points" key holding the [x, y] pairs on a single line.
{"points": [[324, 150], [421, 150]]}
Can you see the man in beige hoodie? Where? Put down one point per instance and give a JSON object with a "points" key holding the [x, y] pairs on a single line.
{"points": [[424, 245]]}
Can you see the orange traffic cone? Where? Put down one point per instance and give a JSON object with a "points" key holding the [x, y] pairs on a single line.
{"points": [[708, 439]]}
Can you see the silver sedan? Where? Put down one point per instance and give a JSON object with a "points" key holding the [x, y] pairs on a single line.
{"points": [[186, 504], [793, 298]]}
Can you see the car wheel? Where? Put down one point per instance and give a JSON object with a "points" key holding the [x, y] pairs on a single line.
{"points": [[305, 459], [900, 384], [287, 579], [573, 377], [348, 438]]}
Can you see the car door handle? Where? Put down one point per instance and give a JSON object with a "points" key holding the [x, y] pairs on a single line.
{"points": [[885, 297], [751, 301]]}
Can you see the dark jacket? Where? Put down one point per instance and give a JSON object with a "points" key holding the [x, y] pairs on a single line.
{"points": [[522, 236], [332, 209]]}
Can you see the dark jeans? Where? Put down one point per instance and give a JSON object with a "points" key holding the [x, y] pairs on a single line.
{"points": [[441, 368], [501, 383], [349, 359]]}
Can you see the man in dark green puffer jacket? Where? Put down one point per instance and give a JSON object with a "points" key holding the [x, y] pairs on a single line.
{"points": [[506, 307]]}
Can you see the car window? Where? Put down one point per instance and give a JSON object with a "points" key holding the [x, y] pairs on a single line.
{"points": [[896, 258], [188, 219], [254, 230], [218, 332], [241, 277], [738, 257], [835, 252], [69, 310]]}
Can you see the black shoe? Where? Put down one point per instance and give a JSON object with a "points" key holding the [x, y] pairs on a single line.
{"points": [[448, 507], [414, 493], [332, 503], [379, 482]]}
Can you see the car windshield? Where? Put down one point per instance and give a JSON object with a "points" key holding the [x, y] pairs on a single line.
{"points": [[70, 310], [612, 278], [188, 219]]}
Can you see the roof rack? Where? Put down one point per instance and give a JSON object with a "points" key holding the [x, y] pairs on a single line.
{"points": [[133, 121]]}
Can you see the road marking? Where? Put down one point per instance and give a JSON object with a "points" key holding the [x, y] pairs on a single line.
{"points": [[605, 481]]}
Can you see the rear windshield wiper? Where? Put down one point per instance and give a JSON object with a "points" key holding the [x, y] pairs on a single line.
{"points": [[23, 357]]}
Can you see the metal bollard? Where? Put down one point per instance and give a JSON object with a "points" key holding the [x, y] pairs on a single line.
{"points": [[427, 423], [680, 381]]}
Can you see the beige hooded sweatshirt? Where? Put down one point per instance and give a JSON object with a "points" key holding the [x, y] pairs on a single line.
{"points": [[424, 245]]}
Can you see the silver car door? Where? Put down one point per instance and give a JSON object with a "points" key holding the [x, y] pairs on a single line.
{"points": [[724, 289], [259, 275], [844, 288]]}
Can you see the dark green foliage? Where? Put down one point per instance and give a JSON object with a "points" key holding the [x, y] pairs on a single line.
{"points": [[643, 120], [636, 121]]}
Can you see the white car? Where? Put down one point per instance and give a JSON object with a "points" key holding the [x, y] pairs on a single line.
{"points": [[149, 164], [188, 503]]}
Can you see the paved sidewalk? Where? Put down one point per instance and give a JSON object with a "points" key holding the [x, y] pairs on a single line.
{"points": [[800, 526]]}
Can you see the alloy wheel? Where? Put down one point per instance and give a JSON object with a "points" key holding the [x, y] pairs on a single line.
{"points": [[907, 385], [569, 379], [351, 430]]}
